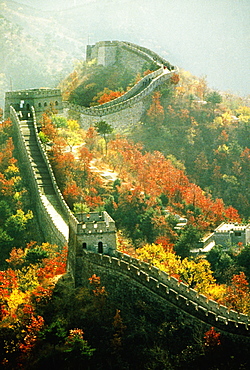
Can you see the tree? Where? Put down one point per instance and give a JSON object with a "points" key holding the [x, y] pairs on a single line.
{"points": [[35, 255], [17, 226], [222, 264], [156, 111], [77, 348], [243, 260], [104, 129], [214, 98], [107, 95], [212, 338], [189, 238], [237, 297]]}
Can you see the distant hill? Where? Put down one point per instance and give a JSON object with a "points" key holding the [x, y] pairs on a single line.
{"points": [[35, 50], [197, 36]]}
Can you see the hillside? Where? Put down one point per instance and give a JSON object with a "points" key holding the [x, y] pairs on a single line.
{"points": [[35, 50], [62, 30]]}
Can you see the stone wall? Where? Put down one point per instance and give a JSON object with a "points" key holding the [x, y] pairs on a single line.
{"points": [[47, 226], [118, 269], [41, 99], [128, 108], [125, 107]]}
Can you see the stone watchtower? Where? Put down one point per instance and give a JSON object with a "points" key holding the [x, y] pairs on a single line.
{"points": [[41, 99], [105, 52], [96, 232]]}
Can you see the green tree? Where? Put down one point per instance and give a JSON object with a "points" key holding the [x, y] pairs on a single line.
{"points": [[222, 264], [188, 239], [214, 98], [35, 255], [104, 129], [243, 260], [17, 225]]}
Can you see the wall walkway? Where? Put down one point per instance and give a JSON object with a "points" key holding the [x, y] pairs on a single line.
{"points": [[138, 92]]}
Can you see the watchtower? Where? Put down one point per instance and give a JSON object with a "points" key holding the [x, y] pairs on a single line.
{"points": [[96, 232], [41, 99], [105, 52]]}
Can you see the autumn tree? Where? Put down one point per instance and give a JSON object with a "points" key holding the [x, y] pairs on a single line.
{"points": [[107, 95], [156, 111], [237, 297]]}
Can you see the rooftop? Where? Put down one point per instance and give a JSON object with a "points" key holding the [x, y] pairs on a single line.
{"points": [[226, 227]]}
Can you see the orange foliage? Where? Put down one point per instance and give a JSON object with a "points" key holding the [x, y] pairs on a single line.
{"points": [[6, 155], [108, 96], [29, 341], [156, 111], [98, 290], [155, 175], [47, 127], [237, 297], [212, 339], [175, 79], [16, 257], [165, 242], [53, 266], [72, 193]]}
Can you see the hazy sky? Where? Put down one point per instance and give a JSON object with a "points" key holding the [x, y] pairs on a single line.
{"points": [[206, 37]]}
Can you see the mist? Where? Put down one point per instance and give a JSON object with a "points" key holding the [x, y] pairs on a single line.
{"points": [[208, 38]]}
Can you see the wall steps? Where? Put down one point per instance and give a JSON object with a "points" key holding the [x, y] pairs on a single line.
{"points": [[43, 178]]}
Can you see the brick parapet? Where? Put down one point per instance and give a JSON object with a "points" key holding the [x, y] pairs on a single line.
{"points": [[125, 102], [178, 293], [144, 87]]}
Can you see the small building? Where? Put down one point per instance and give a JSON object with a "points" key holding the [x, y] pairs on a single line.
{"points": [[226, 235], [41, 99], [96, 232], [229, 234]]}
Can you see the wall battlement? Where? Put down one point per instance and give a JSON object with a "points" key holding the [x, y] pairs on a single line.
{"points": [[169, 288], [41, 99], [125, 51]]}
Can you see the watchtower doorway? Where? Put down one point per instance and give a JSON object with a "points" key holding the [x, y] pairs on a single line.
{"points": [[100, 247]]}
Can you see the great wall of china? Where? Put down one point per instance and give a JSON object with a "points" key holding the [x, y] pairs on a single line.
{"points": [[61, 227]]}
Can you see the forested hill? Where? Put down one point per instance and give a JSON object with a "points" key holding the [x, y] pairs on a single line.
{"points": [[208, 132], [204, 132]]}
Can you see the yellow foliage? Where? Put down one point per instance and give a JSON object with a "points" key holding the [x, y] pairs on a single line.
{"points": [[243, 113], [15, 299], [27, 278], [12, 171], [156, 255], [217, 292], [226, 118], [73, 125], [218, 122], [196, 273]]}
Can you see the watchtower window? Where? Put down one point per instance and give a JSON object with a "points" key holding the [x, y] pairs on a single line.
{"points": [[28, 106], [84, 245], [45, 104], [39, 105], [237, 233], [100, 247], [56, 102]]}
